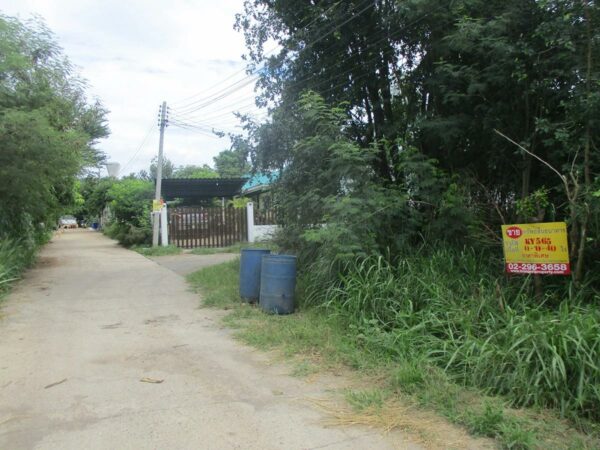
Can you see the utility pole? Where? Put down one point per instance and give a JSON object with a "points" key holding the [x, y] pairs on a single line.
{"points": [[156, 214]]}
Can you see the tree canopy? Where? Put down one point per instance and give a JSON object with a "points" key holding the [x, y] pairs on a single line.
{"points": [[499, 99], [48, 128]]}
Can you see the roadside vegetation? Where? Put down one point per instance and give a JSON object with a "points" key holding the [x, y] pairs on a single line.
{"points": [[405, 134], [157, 251], [15, 256], [394, 369], [48, 133], [236, 248], [126, 203]]}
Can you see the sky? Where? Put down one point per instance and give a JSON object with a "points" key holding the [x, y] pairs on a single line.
{"points": [[135, 54]]}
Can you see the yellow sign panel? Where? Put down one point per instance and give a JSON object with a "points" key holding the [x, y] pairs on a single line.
{"points": [[157, 205], [539, 248]]}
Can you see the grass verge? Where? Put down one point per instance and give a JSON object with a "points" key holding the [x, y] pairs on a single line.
{"points": [[15, 256], [318, 341], [236, 248], [157, 251]]}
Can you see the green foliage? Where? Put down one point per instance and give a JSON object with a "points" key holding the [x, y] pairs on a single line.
{"points": [[131, 201], [448, 308], [365, 399], [219, 284], [232, 163], [342, 210], [131, 204], [325, 338], [419, 87], [157, 251], [394, 182], [534, 205], [47, 130], [15, 256], [94, 192], [236, 248], [168, 169], [191, 171], [240, 202]]}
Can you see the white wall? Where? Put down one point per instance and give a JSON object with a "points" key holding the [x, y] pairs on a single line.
{"points": [[264, 232], [257, 233]]}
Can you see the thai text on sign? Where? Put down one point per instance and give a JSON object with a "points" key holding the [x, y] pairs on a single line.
{"points": [[538, 248]]}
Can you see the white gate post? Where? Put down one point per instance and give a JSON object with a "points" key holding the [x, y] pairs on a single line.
{"points": [[250, 218], [164, 226]]}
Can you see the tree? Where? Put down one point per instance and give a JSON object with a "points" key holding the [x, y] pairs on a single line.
{"points": [[191, 171], [130, 201], [94, 192], [233, 163], [168, 168], [47, 129], [440, 78]]}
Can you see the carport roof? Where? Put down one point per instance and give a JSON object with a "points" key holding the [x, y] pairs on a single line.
{"points": [[201, 188]]}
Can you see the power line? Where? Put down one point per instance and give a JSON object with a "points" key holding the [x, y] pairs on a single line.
{"points": [[312, 22], [199, 104], [191, 121], [144, 141], [384, 37], [202, 103], [211, 131]]}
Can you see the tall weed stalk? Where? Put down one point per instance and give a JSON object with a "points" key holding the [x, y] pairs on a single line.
{"points": [[485, 330], [15, 255]]}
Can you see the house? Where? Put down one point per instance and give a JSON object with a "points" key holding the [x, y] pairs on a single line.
{"points": [[258, 189]]}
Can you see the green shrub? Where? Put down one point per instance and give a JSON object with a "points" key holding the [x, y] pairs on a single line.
{"points": [[15, 256], [129, 235], [130, 202], [449, 308]]}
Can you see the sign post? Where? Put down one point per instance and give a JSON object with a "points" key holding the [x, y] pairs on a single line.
{"points": [[536, 248]]}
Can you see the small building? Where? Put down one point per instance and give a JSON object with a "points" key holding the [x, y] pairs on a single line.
{"points": [[201, 191], [258, 189]]}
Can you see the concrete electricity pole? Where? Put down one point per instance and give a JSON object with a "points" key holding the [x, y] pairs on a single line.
{"points": [[156, 215]]}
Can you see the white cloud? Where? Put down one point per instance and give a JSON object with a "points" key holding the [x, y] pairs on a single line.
{"points": [[135, 54]]}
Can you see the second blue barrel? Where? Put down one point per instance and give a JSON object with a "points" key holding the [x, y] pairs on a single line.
{"points": [[278, 283], [250, 264]]}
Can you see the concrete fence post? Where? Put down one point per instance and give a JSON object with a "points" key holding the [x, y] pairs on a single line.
{"points": [[164, 226], [250, 218]]}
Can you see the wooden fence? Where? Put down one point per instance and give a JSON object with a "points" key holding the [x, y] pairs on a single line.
{"points": [[192, 227], [265, 217]]}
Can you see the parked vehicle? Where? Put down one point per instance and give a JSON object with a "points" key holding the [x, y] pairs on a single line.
{"points": [[67, 222]]}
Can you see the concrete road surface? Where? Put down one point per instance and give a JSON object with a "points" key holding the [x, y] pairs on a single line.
{"points": [[101, 348], [187, 263]]}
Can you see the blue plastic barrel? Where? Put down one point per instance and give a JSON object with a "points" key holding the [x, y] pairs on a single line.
{"points": [[250, 263], [277, 284]]}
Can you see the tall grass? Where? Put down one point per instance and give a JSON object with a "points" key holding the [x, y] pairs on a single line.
{"points": [[484, 330], [15, 255]]}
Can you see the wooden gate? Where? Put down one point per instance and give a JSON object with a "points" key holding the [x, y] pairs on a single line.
{"points": [[192, 227]]}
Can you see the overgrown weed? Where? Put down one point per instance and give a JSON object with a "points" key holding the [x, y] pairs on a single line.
{"points": [[15, 256], [157, 251], [395, 366], [446, 310], [236, 248]]}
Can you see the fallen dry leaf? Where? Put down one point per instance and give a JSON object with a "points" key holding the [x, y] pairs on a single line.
{"points": [[151, 380]]}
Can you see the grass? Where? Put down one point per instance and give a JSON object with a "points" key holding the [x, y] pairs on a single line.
{"points": [[390, 378], [157, 251], [15, 256], [480, 334], [236, 248]]}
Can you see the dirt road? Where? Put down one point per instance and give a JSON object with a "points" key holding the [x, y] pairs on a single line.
{"points": [[92, 320]]}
